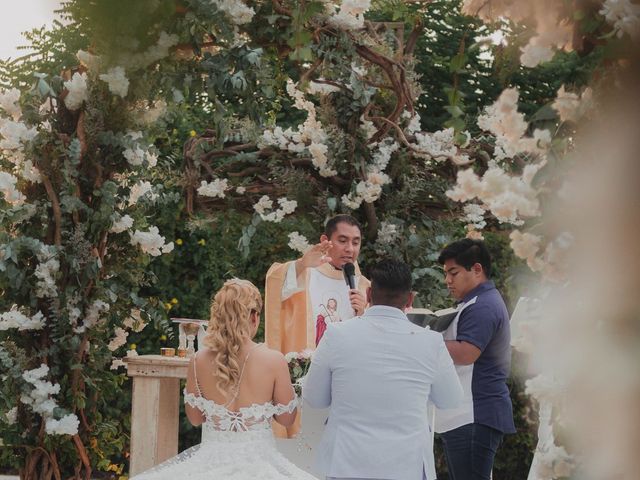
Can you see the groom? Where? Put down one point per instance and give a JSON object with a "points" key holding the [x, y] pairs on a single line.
{"points": [[376, 373]]}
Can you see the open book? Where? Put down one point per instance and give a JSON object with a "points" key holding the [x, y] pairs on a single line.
{"points": [[438, 321]]}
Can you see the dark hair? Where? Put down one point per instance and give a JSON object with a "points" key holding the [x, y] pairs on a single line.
{"points": [[467, 253], [390, 283], [332, 224]]}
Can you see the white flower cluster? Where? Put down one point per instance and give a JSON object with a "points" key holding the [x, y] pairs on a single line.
{"points": [[77, 92], [351, 14], [14, 318], [548, 261], [45, 273], [286, 207], [117, 81], [135, 154], [213, 189], [121, 224], [15, 134], [139, 190], [550, 34], [504, 121], [623, 15], [438, 145], [145, 114], [237, 11], [92, 318], [11, 416], [298, 242], [9, 102], [118, 340], [40, 401], [8, 188], [91, 62], [134, 321], [474, 214], [309, 136], [370, 189], [317, 87], [151, 242], [387, 233], [570, 106], [507, 197]]}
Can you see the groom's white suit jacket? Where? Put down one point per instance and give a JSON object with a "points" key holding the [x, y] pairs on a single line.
{"points": [[376, 373]]}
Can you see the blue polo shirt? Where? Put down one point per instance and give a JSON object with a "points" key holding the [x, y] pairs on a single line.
{"points": [[485, 324]]}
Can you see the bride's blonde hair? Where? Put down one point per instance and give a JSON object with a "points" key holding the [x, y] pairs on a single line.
{"points": [[229, 326]]}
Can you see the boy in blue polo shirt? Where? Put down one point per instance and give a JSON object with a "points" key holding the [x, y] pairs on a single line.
{"points": [[478, 341]]}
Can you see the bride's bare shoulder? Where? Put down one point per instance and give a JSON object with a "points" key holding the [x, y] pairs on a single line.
{"points": [[273, 357]]}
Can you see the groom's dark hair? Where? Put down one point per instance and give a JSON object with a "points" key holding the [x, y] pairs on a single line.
{"points": [[390, 283]]}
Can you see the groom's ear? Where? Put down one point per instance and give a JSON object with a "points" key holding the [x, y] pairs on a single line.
{"points": [[410, 299]]}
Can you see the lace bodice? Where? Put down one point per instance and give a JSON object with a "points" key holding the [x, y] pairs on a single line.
{"points": [[255, 417], [220, 418]]}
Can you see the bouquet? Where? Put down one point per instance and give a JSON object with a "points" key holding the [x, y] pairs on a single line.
{"points": [[299, 363]]}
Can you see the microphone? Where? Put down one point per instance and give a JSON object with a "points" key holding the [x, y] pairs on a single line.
{"points": [[349, 272]]}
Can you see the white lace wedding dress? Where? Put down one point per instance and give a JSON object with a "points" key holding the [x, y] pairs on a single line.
{"points": [[236, 445]]}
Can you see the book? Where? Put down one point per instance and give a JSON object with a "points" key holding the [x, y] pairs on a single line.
{"points": [[437, 321]]}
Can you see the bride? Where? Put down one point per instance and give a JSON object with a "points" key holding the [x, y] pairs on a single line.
{"points": [[235, 387]]}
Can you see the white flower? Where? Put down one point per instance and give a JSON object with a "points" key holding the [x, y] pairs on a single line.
{"points": [[139, 190], [134, 157], [16, 319], [118, 340], [351, 201], [213, 189], [32, 376], [77, 91], [45, 273], [117, 81], [263, 204], [387, 233], [12, 416], [15, 134], [92, 62], [623, 15], [317, 87], [67, 425], [438, 145], [240, 190], [524, 245], [135, 321], [287, 206], [151, 242], [570, 106], [298, 243], [238, 12], [474, 214], [8, 188], [122, 224], [117, 363], [533, 54], [9, 102], [92, 317]]}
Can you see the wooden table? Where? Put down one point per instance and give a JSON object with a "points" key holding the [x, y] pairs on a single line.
{"points": [[155, 409]]}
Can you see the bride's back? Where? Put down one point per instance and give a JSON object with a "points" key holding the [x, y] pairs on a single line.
{"points": [[231, 371], [259, 367]]}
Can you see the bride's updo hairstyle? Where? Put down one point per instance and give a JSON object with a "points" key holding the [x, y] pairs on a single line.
{"points": [[229, 326]]}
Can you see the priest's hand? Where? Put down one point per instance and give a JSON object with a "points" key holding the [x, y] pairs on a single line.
{"points": [[314, 257], [358, 302]]}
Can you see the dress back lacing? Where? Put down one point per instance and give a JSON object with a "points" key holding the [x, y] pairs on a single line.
{"points": [[220, 418]]}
